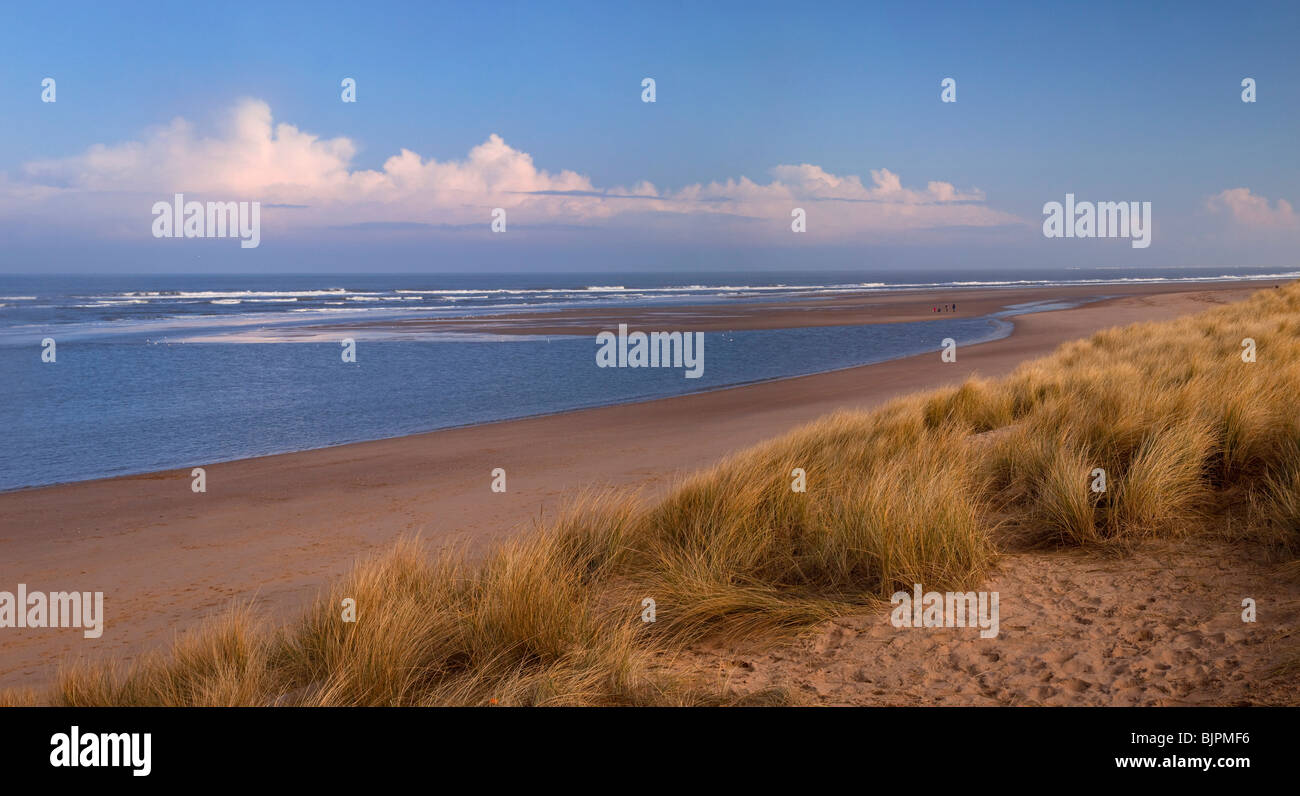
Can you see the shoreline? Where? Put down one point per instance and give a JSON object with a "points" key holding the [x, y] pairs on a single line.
{"points": [[992, 338], [902, 306], [277, 528]]}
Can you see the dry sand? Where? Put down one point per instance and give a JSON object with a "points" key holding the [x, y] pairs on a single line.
{"points": [[1161, 625], [278, 527]]}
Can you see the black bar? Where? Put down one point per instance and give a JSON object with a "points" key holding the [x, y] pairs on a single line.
{"points": [[1001, 746]]}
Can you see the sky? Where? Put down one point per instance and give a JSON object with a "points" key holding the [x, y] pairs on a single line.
{"points": [[537, 109]]}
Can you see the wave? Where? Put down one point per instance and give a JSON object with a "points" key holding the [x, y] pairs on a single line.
{"points": [[211, 294]]}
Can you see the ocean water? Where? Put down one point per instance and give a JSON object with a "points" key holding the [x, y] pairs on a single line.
{"points": [[149, 374]]}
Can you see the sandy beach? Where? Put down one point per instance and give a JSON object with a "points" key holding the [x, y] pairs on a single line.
{"points": [[277, 528]]}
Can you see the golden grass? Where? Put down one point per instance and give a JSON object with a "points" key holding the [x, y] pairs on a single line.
{"points": [[922, 490]]}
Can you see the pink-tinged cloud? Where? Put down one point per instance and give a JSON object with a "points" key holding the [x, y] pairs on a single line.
{"points": [[278, 164], [1251, 210]]}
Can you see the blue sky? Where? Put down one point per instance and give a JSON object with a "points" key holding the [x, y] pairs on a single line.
{"points": [[1109, 101]]}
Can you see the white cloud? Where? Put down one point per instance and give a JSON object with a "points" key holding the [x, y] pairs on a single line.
{"points": [[255, 159], [1251, 210]]}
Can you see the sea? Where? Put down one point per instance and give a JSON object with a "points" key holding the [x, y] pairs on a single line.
{"points": [[154, 372]]}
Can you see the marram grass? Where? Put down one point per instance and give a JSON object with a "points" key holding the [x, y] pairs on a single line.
{"points": [[925, 489]]}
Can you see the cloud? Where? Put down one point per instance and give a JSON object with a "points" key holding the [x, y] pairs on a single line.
{"points": [[311, 178], [814, 182], [253, 156], [1251, 210]]}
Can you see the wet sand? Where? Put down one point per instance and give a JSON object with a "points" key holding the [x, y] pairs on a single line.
{"points": [[842, 309]]}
